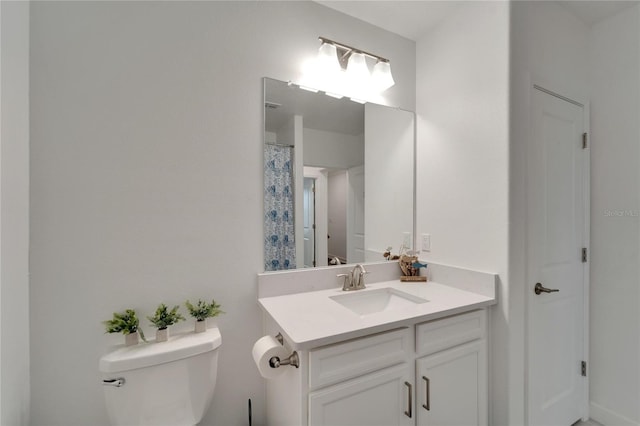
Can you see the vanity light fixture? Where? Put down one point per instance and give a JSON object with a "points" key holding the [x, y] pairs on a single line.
{"points": [[327, 59], [334, 57], [309, 89], [381, 77], [334, 95], [357, 69]]}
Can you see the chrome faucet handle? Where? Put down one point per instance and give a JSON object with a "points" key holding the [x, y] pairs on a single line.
{"points": [[347, 284]]}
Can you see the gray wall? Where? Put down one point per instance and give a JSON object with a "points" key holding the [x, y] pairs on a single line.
{"points": [[146, 170], [14, 214], [548, 48], [614, 67]]}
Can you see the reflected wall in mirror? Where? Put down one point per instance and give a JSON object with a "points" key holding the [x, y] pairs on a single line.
{"points": [[338, 178]]}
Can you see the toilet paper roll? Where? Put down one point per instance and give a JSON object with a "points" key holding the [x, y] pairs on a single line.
{"points": [[263, 350]]}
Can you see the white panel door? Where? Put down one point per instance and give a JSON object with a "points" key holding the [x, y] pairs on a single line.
{"points": [[451, 387], [556, 234], [383, 398], [309, 222]]}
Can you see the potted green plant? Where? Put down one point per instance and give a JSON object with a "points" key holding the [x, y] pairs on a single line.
{"points": [[201, 311], [162, 319], [126, 323]]}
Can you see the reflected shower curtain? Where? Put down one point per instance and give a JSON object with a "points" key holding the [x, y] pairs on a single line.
{"points": [[279, 242]]}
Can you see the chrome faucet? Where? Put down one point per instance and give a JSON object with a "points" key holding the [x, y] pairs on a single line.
{"points": [[354, 280]]}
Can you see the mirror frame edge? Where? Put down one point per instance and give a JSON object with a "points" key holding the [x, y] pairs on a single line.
{"points": [[415, 180]]}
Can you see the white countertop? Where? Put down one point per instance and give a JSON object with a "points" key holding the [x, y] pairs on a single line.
{"points": [[312, 319]]}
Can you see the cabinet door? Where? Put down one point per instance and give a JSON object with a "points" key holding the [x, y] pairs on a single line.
{"points": [[452, 387], [383, 398]]}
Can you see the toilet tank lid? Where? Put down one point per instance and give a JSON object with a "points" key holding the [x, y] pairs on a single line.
{"points": [[142, 355]]}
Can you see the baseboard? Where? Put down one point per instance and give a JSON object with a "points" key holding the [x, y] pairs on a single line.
{"points": [[607, 417]]}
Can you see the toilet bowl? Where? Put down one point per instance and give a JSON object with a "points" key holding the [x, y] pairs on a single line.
{"points": [[168, 383]]}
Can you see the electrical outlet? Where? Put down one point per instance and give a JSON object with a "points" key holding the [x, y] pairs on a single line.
{"points": [[426, 242]]}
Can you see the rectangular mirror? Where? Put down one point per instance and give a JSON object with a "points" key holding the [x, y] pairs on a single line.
{"points": [[338, 178]]}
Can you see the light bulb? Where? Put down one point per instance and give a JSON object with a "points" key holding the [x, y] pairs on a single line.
{"points": [[381, 78], [327, 62], [357, 70]]}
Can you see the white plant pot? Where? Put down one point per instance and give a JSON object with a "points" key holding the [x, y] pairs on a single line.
{"points": [[131, 339], [201, 326], [162, 335]]}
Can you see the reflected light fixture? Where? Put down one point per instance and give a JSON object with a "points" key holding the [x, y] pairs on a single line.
{"points": [[338, 61], [309, 89], [334, 95]]}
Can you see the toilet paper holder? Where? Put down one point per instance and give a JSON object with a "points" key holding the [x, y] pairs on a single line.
{"points": [[293, 359]]}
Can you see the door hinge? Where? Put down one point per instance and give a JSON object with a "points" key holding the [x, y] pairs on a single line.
{"points": [[584, 140], [584, 255], [583, 368]]}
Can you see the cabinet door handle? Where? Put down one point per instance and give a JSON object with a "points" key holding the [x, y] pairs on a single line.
{"points": [[409, 413], [427, 388]]}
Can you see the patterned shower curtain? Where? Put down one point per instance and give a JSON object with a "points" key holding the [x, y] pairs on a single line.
{"points": [[279, 242]]}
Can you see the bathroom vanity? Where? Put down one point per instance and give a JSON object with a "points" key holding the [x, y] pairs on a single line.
{"points": [[391, 354]]}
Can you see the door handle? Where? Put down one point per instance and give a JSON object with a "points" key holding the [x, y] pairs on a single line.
{"points": [[427, 395], [409, 412], [540, 289], [114, 382]]}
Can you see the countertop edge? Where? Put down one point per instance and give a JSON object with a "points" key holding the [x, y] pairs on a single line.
{"points": [[301, 345], [310, 344]]}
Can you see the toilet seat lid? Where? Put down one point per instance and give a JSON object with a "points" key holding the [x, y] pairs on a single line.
{"points": [[178, 347]]}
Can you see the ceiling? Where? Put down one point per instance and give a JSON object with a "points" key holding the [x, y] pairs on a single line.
{"points": [[412, 19], [591, 12]]}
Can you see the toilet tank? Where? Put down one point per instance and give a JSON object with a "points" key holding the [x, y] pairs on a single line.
{"points": [[167, 383]]}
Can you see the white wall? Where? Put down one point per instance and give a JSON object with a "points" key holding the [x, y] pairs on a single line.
{"points": [[332, 149], [462, 201], [462, 87], [14, 213], [146, 169], [388, 179], [270, 137], [614, 64]]}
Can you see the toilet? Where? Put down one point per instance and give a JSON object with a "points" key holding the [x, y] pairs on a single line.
{"points": [[167, 383]]}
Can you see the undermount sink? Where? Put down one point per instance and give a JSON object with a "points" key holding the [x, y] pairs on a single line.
{"points": [[380, 300]]}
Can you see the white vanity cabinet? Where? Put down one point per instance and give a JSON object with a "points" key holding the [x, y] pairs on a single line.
{"points": [[380, 398], [451, 371], [366, 381], [431, 373]]}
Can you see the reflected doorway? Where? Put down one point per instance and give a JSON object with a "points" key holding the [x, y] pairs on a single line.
{"points": [[337, 217], [309, 218]]}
